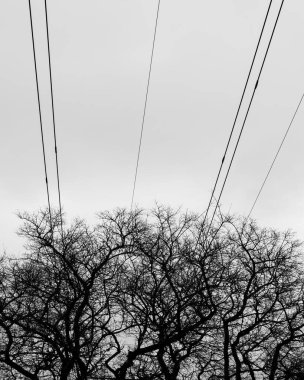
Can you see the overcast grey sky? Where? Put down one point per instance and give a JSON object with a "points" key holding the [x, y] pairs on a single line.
{"points": [[100, 56]]}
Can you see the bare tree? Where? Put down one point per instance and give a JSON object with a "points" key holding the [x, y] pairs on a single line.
{"points": [[261, 291], [166, 297], [59, 317], [161, 296]]}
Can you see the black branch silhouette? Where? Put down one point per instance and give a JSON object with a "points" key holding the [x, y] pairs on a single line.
{"points": [[157, 296]]}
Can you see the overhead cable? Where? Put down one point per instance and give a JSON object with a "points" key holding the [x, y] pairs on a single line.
{"points": [[40, 118], [53, 111], [145, 105], [275, 157], [247, 112], [237, 113]]}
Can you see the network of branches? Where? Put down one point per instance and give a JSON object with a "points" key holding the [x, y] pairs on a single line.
{"points": [[157, 295]]}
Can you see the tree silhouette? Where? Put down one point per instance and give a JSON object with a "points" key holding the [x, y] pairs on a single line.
{"points": [[157, 296]]}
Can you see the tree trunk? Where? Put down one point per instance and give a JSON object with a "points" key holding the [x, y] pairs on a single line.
{"points": [[238, 364], [226, 352]]}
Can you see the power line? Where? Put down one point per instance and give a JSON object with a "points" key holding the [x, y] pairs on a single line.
{"points": [[247, 112], [237, 112], [145, 105], [234, 121], [276, 155], [40, 118], [53, 111]]}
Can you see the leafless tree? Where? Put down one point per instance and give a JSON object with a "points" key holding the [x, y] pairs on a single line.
{"points": [[167, 297], [262, 310], [157, 296], [59, 317]]}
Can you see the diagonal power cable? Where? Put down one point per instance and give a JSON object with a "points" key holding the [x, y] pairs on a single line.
{"points": [[237, 114], [40, 118], [53, 111], [247, 112], [145, 105], [276, 155]]}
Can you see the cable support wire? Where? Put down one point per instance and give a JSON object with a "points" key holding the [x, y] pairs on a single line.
{"points": [[245, 119], [145, 105], [247, 112], [235, 118], [53, 110], [40, 118], [276, 155], [238, 110], [241, 131]]}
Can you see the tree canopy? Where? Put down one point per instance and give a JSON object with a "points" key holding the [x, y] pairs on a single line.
{"points": [[158, 295]]}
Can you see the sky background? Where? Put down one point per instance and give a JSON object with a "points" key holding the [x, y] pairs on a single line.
{"points": [[100, 51]]}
